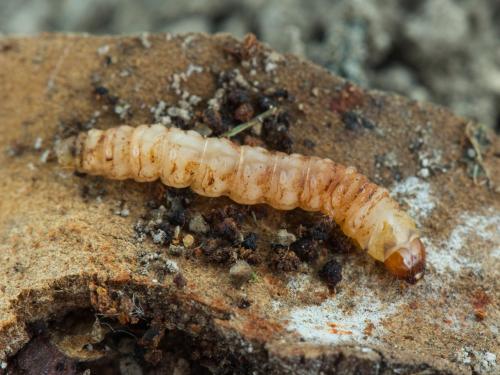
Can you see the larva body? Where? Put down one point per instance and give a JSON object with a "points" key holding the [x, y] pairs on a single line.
{"points": [[249, 175]]}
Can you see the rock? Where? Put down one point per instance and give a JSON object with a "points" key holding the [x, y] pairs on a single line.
{"points": [[198, 224], [63, 250], [240, 273], [176, 249], [188, 240], [171, 266], [159, 236], [285, 238]]}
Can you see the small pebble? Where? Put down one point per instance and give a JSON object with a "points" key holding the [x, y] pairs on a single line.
{"points": [[171, 266], [198, 224], [285, 238], [159, 237], [158, 214], [240, 273], [188, 240], [471, 153], [103, 50], [175, 250], [144, 38], [45, 156], [424, 173], [38, 143]]}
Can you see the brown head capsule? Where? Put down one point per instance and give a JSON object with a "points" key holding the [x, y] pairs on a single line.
{"points": [[249, 175], [407, 261]]}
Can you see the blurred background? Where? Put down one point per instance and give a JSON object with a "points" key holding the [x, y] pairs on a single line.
{"points": [[444, 51]]}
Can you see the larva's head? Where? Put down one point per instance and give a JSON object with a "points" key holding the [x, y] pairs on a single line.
{"points": [[395, 242], [407, 261]]}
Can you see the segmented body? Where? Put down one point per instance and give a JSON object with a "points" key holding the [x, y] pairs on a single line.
{"points": [[249, 175]]}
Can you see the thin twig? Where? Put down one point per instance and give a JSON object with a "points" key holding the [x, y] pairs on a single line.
{"points": [[469, 132], [255, 121]]}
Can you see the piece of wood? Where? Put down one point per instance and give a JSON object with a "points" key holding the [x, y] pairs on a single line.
{"points": [[62, 250]]}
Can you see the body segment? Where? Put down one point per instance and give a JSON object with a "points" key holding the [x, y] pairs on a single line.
{"points": [[249, 175]]}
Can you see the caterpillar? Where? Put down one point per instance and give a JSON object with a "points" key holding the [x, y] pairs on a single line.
{"points": [[215, 167]]}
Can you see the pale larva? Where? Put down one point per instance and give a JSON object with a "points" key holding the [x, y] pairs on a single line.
{"points": [[249, 175]]}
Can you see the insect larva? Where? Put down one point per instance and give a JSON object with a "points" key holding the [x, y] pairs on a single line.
{"points": [[249, 175]]}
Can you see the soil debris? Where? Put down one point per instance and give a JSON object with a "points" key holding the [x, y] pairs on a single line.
{"points": [[331, 273], [240, 272]]}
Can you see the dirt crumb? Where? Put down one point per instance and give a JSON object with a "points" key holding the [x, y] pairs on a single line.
{"points": [[282, 259]]}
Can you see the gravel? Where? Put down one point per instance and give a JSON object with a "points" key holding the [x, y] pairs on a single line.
{"points": [[240, 273]]}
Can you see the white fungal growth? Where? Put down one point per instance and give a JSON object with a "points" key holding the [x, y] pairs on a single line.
{"points": [[331, 323], [483, 228], [416, 194]]}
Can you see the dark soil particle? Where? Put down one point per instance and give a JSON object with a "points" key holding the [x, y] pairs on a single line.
{"points": [[251, 256], [321, 230], [282, 259], [265, 103], [73, 126], [92, 189], [180, 281], [103, 95], [40, 356], [228, 229], [245, 112], [309, 144], [213, 120], [239, 104], [244, 303], [250, 241], [275, 133], [177, 216], [237, 97], [101, 91], [216, 252], [355, 121], [16, 149], [331, 273], [245, 50], [306, 249]]}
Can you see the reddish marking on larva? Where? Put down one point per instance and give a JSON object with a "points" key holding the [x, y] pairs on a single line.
{"points": [[250, 175]]}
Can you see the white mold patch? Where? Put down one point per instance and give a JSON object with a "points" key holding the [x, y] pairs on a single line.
{"points": [[447, 255], [328, 323], [299, 283], [416, 193], [482, 362]]}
